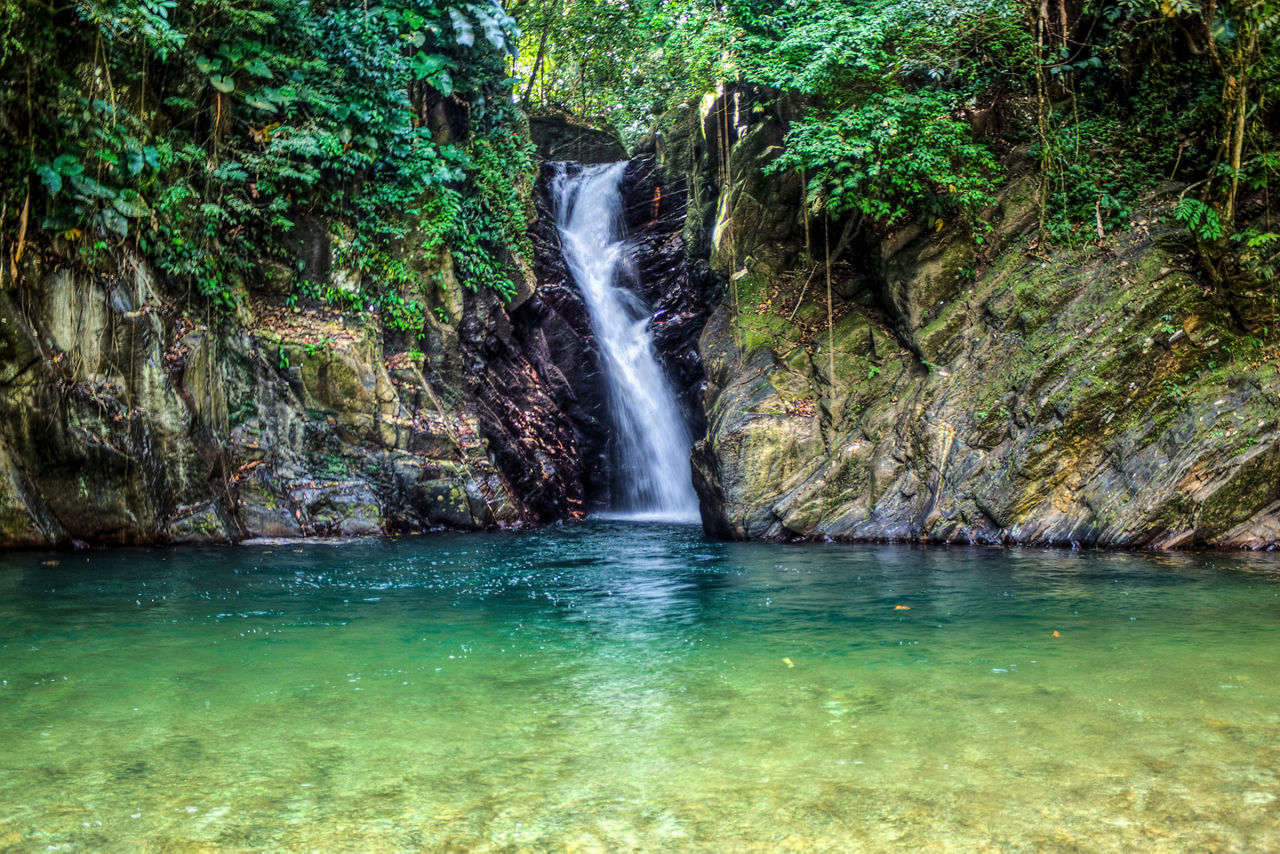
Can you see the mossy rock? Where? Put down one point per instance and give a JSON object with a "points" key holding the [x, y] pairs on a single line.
{"points": [[929, 272], [1091, 396]]}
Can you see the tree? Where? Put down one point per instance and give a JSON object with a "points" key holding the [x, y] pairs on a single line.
{"points": [[203, 132]]}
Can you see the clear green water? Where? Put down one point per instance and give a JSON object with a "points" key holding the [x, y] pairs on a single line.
{"points": [[605, 687]]}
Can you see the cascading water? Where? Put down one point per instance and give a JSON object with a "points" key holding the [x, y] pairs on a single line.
{"points": [[650, 441]]}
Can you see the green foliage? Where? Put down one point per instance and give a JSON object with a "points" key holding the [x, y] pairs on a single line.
{"points": [[1198, 218], [495, 212], [886, 98], [216, 133], [1094, 173], [822, 47], [886, 83], [623, 61], [1137, 92], [890, 83], [1259, 253], [889, 156], [206, 132]]}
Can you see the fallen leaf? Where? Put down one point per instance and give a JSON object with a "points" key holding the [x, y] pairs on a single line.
{"points": [[902, 607]]}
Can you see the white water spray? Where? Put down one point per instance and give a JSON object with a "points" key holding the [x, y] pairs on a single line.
{"points": [[651, 441]]}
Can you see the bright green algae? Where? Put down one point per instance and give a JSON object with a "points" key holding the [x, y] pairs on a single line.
{"points": [[604, 686]]}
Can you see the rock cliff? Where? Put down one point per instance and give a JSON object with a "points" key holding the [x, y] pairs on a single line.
{"points": [[132, 414], [1105, 395], [128, 417], [556, 339], [997, 394]]}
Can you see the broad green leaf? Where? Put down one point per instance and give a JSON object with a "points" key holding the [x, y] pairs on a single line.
{"points": [[258, 68], [130, 204], [114, 221], [223, 84], [492, 30], [67, 164], [423, 65], [463, 32], [260, 103], [50, 178], [91, 188]]}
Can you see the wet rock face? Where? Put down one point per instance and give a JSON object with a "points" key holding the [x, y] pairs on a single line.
{"points": [[661, 275], [72, 425], [530, 411], [538, 374], [532, 371], [127, 417]]}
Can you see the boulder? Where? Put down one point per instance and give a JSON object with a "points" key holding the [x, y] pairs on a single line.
{"points": [[559, 138]]}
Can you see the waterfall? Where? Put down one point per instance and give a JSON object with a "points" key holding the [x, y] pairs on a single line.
{"points": [[650, 441]]}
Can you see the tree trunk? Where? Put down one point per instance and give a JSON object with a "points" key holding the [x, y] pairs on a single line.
{"points": [[1240, 110], [1043, 109], [831, 323], [537, 65], [542, 49]]}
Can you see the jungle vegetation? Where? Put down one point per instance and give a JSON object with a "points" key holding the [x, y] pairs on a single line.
{"points": [[911, 108], [206, 133]]}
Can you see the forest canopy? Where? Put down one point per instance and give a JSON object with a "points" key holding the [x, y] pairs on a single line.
{"points": [[909, 105], [208, 133]]}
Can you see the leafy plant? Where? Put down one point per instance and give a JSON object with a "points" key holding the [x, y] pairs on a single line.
{"points": [[1198, 218], [208, 135], [893, 155]]}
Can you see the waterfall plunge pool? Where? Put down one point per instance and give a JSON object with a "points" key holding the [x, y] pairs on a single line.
{"points": [[604, 686]]}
